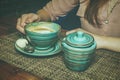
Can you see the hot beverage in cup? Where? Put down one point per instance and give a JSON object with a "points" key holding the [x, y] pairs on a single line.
{"points": [[39, 29], [42, 35]]}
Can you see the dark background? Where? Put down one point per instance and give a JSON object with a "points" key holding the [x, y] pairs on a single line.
{"points": [[19, 7]]}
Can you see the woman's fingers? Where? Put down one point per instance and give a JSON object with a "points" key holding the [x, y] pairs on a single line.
{"points": [[19, 27], [24, 19], [32, 17]]}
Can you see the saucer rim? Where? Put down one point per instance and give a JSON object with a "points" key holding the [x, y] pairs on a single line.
{"points": [[53, 52]]}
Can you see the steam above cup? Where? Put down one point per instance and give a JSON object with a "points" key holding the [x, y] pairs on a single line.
{"points": [[42, 35]]}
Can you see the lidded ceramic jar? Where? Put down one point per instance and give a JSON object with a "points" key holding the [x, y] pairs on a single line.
{"points": [[78, 48]]}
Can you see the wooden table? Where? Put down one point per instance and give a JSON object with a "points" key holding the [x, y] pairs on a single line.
{"points": [[21, 67], [8, 71], [104, 67]]}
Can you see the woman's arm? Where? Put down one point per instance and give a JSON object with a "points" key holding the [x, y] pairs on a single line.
{"points": [[58, 8], [110, 43], [104, 42], [50, 12]]}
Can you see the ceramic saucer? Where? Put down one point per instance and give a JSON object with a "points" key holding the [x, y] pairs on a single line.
{"points": [[54, 50]]}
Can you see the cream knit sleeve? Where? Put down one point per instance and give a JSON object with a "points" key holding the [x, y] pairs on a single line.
{"points": [[57, 8]]}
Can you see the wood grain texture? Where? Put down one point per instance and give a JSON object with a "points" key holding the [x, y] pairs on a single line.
{"points": [[7, 71], [10, 72]]}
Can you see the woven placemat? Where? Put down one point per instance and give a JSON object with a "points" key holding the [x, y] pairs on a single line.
{"points": [[105, 67]]}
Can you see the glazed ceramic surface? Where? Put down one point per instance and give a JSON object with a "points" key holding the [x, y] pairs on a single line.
{"points": [[48, 52], [42, 35], [78, 50]]}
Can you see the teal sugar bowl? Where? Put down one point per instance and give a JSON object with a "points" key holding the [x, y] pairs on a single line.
{"points": [[78, 48], [42, 35]]}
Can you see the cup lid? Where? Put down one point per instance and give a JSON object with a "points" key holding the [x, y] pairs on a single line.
{"points": [[79, 39]]}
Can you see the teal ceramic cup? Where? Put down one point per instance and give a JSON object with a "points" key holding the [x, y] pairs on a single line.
{"points": [[42, 35], [78, 48]]}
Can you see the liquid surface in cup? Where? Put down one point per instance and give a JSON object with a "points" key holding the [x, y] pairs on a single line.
{"points": [[40, 29]]}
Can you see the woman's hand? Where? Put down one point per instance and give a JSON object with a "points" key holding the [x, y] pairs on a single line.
{"points": [[103, 42], [97, 38], [41, 15], [24, 19]]}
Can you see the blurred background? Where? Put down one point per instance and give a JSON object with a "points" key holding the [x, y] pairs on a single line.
{"points": [[10, 10], [18, 7]]}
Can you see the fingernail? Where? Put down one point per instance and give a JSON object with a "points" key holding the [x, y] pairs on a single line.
{"points": [[23, 24]]}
